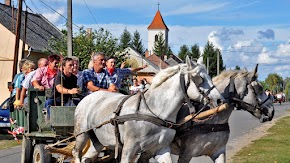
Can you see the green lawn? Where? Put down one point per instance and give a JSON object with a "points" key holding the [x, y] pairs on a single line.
{"points": [[7, 141], [272, 148]]}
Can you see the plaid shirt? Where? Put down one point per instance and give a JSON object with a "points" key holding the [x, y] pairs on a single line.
{"points": [[91, 75], [118, 75]]}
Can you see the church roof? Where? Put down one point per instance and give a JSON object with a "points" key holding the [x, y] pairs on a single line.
{"points": [[158, 22]]}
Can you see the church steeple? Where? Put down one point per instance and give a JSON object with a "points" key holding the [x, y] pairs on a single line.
{"points": [[158, 22], [157, 25]]}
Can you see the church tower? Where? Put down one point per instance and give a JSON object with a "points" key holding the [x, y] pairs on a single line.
{"points": [[154, 29]]}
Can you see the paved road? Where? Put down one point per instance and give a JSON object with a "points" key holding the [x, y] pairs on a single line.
{"points": [[240, 122]]}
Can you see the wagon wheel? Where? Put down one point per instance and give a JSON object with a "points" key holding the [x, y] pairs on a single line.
{"points": [[27, 150], [41, 155]]}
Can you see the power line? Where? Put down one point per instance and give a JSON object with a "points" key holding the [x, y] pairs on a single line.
{"points": [[57, 12], [34, 6], [91, 14]]}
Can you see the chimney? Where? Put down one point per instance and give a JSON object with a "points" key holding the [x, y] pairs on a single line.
{"points": [[165, 58], [89, 31], [146, 54], [8, 2]]}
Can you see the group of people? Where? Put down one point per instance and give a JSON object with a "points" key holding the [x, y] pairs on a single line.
{"points": [[62, 75]]}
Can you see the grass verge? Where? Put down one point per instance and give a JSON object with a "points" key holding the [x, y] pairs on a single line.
{"points": [[274, 147], [7, 141]]}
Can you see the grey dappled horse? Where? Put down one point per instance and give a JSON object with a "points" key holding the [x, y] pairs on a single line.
{"points": [[237, 87], [164, 99]]}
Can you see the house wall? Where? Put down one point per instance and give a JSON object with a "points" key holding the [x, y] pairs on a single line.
{"points": [[151, 38], [7, 45]]}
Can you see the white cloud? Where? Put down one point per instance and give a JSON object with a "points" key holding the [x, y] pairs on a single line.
{"points": [[196, 8], [283, 50], [266, 58], [54, 17]]}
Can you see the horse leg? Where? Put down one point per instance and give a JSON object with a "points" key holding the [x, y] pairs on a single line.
{"points": [[163, 156], [220, 156], [94, 149], [129, 151], [184, 159], [81, 141], [144, 158], [92, 152]]}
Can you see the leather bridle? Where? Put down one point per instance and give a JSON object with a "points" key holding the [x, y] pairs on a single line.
{"points": [[257, 104], [184, 87]]}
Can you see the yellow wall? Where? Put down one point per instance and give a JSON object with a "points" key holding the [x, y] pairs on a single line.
{"points": [[7, 43]]}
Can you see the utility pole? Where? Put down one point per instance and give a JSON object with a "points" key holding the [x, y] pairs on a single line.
{"points": [[69, 28], [24, 34], [17, 38], [218, 63]]}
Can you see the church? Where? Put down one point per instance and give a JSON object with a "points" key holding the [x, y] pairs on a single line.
{"points": [[154, 62]]}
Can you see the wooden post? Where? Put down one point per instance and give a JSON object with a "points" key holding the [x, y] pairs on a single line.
{"points": [[69, 28], [18, 27], [24, 34]]}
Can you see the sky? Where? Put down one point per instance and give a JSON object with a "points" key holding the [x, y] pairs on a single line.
{"points": [[247, 32]]}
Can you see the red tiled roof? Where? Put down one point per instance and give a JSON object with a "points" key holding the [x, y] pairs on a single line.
{"points": [[157, 61], [158, 22]]}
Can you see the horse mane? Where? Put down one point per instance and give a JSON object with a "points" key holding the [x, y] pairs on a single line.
{"points": [[164, 74], [231, 73]]}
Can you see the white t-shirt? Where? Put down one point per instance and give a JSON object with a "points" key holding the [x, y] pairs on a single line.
{"points": [[135, 89]]}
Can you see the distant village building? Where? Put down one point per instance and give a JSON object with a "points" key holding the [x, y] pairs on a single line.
{"points": [[38, 32], [155, 63]]}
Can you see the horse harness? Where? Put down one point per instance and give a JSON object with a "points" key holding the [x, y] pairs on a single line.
{"points": [[121, 119], [232, 97]]}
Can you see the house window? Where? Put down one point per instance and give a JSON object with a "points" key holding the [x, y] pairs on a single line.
{"points": [[156, 37]]}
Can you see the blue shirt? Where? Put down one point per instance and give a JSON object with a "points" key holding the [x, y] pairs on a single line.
{"points": [[99, 79], [18, 83], [118, 75]]}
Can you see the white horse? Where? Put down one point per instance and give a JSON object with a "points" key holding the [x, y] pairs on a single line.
{"points": [[163, 101], [209, 138]]}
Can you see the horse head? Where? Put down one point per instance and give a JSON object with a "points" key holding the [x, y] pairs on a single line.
{"points": [[253, 97], [201, 86]]}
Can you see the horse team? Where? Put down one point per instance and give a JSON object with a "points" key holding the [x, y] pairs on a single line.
{"points": [[143, 126]]}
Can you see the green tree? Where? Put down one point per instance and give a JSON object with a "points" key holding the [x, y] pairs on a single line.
{"points": [[125, 40], [211, 53], [160, 48], [183, 52], [287, 91], [194, 51], [264, 84], [137, 43], [58, 46], [274, 82], [84, 44], [237, 67]]}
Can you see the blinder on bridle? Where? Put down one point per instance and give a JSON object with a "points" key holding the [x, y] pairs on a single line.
{"points": [[198, 80]]}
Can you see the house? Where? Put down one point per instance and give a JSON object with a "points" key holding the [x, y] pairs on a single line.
{"points": [[38, 33], [136, 59]]}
